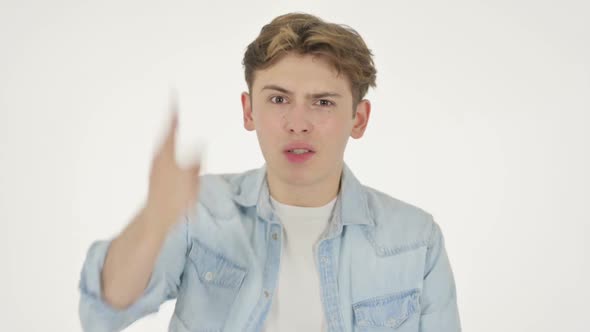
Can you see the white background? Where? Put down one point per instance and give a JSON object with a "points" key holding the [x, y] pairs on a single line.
{"points": [[480, 117]]}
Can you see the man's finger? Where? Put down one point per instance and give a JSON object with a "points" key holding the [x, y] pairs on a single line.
{"points": [[173, 127]]}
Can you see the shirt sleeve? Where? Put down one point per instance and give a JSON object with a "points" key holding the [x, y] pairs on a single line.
{"points": [[439, 297], [96, 315]]}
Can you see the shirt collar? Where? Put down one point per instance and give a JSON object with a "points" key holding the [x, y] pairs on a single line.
{"points": [[251, 189]]}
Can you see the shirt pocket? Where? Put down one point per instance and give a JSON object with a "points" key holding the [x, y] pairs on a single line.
{"points": [[392, 312], [210, 286]]}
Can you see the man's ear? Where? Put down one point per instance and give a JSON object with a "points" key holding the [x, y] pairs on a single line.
{"points": [[361, 119], [247, 109]]}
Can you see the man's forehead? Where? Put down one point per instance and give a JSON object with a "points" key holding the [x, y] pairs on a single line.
{"points": [[297, 84], [303, 67]]}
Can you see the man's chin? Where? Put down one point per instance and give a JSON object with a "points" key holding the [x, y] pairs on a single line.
{"points": [[297, 176], [294, 174]]}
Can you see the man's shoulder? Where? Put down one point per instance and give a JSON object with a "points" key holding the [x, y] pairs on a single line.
{"points": [[226, 184], [218, 190], [219, 182], [397, 220]]}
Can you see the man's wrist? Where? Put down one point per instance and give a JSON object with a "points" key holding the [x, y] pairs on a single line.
{"points": [[159, 217]]}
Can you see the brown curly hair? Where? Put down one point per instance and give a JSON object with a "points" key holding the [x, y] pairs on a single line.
{"points": [[304, 34]]}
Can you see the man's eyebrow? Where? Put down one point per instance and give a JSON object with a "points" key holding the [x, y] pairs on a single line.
{"points": [[277, 88], [312, 95]]}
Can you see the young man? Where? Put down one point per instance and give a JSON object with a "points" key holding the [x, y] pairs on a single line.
{"points": [[297, 245]]}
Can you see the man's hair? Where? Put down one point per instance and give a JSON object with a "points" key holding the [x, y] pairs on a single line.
{"points": [[304, 34]]}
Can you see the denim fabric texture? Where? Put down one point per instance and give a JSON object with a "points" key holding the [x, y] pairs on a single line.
{"points": [[382, 264]]}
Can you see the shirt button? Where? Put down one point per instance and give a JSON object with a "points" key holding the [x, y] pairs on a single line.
{"points": [[391, 322], [325, 259], [275, 236], [209, 276], [266, 294]]}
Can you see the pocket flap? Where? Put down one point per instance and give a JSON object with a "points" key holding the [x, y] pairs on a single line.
{"points": [[390, 310], [214, 268]]}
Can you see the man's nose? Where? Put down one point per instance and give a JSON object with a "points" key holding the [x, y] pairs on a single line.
{"points": [[297, 120]]}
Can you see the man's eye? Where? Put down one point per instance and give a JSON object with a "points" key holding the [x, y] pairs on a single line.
{"points": [[326, 102], [277, 100]]}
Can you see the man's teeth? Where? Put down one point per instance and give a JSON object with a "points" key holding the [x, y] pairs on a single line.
{"points": [[299, 151]]}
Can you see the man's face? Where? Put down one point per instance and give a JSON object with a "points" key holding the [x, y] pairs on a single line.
{"points": [[301, 103]]}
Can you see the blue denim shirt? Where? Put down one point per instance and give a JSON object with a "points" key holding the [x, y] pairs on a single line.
{"points": [[382, 264]]}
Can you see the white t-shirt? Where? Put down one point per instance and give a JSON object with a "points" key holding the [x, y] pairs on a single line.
{"points": [[296, 305]]}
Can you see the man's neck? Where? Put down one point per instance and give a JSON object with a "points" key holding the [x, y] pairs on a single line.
{"points": [[309, 195]]}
